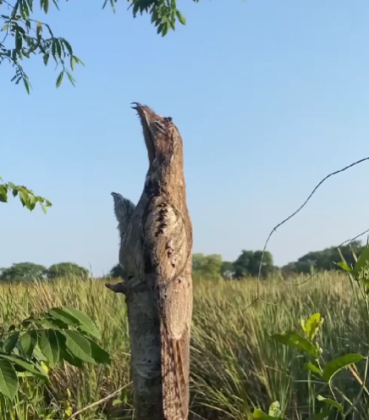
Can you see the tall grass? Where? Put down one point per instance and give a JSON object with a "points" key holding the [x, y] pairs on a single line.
{"points": [[235, 365]]}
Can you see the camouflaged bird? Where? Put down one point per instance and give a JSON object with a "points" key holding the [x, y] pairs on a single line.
{"points": [[156, 252]]}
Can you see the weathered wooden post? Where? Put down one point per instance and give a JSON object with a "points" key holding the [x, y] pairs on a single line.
{"points": [[156, 253]]}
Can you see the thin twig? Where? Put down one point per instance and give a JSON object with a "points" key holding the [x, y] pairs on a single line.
{"points": [[298, 283], [99, 402], [294, 214], [355, 237]]}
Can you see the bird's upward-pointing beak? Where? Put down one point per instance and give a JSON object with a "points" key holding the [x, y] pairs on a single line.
{"points": [[136, 105], [142, 111], [146, 115]]}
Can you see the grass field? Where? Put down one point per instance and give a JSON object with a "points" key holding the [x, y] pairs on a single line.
{"points": [[236, 366]]}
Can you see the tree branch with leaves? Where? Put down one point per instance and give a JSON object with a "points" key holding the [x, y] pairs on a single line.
{"points": [[24, 36], [27, 197]]}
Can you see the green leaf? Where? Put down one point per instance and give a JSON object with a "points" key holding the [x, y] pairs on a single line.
{"points": [[292, 339], [330, 402], [8, 379], [312, 368], [60, 79], [259, 414], [85, 323], [344, 266], [79, 61], [3, 194], [99, 354], [27, 85], [180, 17], [45, 5], [68, 357], [71, 78], [11, 342], [28, 321], [362, 262], [28, 342], [49, 346], [64, 316], [65, 354], [79, 346], [72, 62], [321, 416], [23, 197], [24, 10], [68, 46], [24, 364], [335, 365], [53, 323], [312, 325], [117, 402], [46, 58], [38, 354], [165, 29], [71, 359], [58, 47], [18, 41], [275, 409], [39, 29]]}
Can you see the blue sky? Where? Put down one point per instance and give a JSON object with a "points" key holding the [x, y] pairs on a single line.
{"points": [[270, 96]]}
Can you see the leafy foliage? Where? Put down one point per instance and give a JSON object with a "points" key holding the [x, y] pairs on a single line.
{"points": [[325, 260], [312, 325], [118, 272], [327, 371], [227, 270], [37, 345], [66, 269], [293, 339], [164, 13], [26, 196], [274, 412], [25, 37], [306, 344], [247, 264], [23, 272], [207, 266], [27, 271]]}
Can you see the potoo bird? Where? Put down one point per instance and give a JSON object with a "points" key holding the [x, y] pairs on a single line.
{"points": [[156, 250]]}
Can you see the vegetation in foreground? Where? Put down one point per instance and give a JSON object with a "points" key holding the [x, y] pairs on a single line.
{"points": [[236, 365]]}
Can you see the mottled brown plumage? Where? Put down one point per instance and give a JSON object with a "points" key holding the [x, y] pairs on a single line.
{"points": [[156, 249]]}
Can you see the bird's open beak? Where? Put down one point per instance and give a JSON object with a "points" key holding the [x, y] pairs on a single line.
{"points": [[144, 114]]}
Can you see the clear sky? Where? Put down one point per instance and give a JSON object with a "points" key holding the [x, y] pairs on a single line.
{"points": [[270, 96]]}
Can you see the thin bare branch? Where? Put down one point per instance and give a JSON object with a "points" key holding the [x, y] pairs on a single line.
{"points": [[294, 214], [96, 403]]}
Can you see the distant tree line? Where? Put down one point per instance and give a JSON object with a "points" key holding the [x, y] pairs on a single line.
{"points": [[325, 260], [247, 264], [27, 271], [212, 266], [204, 266]]}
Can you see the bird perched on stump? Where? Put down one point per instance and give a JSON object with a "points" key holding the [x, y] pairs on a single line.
{"points": [[156, 251]]}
